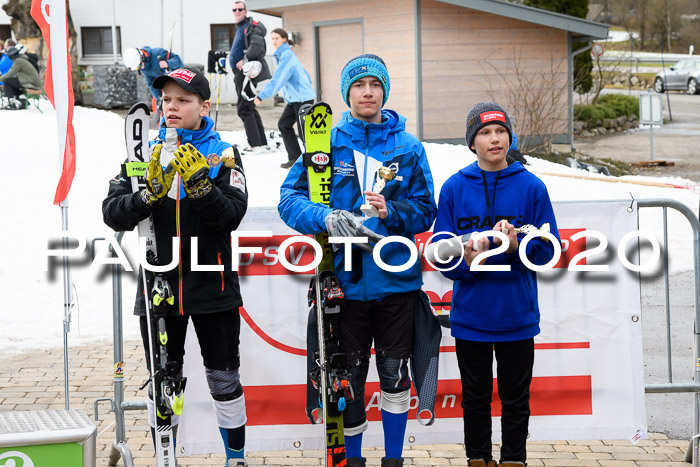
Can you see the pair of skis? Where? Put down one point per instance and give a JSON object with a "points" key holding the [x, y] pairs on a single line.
{"points": [[167, 385], [325, 359]]}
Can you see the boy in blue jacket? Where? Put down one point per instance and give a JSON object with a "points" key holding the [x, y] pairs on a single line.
{"points": [[196, 188], [495, 310], [378, 304]]}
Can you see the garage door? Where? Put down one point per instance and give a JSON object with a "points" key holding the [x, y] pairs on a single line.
{"points": [[337, 43]]}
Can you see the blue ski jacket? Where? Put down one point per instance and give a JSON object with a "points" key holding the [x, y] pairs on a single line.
{"points": [[494, 306], [210, 218], [151, 65], [290, 77], [358, 150]]}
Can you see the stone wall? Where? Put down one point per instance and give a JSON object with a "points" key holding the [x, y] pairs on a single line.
{"points": [[118, 86], [604, 127]]}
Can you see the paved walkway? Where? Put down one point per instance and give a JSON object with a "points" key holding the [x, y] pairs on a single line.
{"points": [[35, 381]]}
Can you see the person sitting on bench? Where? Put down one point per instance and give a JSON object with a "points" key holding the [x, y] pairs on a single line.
{"points": [[22, 76]]}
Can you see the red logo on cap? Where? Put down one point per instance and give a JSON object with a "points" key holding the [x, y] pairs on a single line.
{"points": [[494, 115], [181, 73]]}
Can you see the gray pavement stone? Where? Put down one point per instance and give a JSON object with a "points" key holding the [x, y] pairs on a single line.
{"points": [[35, 380]]}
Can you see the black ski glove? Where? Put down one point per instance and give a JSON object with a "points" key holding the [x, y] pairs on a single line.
{"points": [[340, 223]]}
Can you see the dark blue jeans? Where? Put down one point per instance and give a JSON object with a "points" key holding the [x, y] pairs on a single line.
{"points": [[514, 362]]}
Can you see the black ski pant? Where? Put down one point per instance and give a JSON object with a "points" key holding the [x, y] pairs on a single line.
{"points": [[13, 88], [388, 322], [514, 361], [288, 120], [217, 333], [254, 129]]}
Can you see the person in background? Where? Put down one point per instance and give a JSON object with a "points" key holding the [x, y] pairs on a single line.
{"points": [[21, 76], [295, 83], [249, 46], [152, 62]]}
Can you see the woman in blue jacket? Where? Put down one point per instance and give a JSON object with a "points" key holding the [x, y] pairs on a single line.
{"points": [[295, 83]]}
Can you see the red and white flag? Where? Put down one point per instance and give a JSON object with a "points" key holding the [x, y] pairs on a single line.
{"points": [[52, 18]]}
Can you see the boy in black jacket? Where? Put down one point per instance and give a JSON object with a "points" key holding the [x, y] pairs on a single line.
{"points": [[196, 188]]}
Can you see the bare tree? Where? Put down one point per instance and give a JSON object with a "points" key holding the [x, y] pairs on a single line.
{"points": [[27, 31], [536, 99]]}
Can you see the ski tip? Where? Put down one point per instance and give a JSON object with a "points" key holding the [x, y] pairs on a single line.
{"points": [[139, 106], [322, 104]]}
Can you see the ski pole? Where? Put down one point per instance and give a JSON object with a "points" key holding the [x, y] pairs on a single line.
{"points": [[218, 92]]}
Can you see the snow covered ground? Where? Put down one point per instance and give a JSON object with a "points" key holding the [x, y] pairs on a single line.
{"points": [[31, 310]]}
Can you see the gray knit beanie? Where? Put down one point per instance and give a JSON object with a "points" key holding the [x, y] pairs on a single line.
{"points": [[486, 113]]}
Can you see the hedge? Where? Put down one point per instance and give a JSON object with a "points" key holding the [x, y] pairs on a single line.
{"points": [[608, 106]]}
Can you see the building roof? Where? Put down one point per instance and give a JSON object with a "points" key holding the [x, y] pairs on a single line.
{"points": [[581, 29]]}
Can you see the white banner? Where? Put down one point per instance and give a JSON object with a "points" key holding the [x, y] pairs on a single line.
{"points": [[588, 381]]}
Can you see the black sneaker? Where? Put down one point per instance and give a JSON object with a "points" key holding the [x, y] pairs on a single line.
{"points": [[287, 165], [356, 462]]}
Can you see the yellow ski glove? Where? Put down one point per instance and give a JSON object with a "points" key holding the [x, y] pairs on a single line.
{"points": [[157, 180], [194, 170]]}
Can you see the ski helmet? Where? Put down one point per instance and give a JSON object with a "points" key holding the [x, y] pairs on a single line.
{"points": [[133, 58], [252, 69]]}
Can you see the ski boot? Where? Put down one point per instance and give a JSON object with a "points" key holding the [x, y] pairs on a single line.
{"points": [[237, 463]]}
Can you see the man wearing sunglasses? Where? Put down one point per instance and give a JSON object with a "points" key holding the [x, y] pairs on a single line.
{"points": [[248, 45]]}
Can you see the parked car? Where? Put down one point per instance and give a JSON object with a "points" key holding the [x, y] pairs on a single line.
{"points": [[684, 76]]}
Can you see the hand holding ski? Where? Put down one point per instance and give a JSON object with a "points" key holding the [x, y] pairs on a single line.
{"points": [[157, 180]]}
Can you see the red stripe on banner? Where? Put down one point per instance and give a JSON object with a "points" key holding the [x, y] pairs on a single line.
{"points": [[549, 395], [267, 338], [542, 346], [40, 13]]}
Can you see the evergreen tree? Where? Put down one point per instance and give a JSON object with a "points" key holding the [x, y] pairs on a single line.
{"points": [[583, 63]]}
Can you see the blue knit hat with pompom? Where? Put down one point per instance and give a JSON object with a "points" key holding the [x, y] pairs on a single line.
{"points": [[361, 66]]}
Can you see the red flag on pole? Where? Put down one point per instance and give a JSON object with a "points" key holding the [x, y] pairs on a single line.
{"points": [[52, 18]]}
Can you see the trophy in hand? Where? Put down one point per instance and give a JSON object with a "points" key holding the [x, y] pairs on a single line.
{"points": [[528, 228], [383, 175]]}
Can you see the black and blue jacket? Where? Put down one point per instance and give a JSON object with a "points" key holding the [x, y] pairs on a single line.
{"points": [[493, 306], [358, 150], [210, 218]]}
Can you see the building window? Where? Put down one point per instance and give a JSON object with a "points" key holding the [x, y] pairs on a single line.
{"points": [[97, 41], [5, 32], [222, 36]]}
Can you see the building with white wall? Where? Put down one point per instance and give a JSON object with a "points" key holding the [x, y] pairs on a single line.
{"points": [[196, 26]]}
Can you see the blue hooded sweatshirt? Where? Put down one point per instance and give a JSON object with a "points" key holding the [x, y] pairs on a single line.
{"points": [[495, 306], [290, 76], [358, 150]]}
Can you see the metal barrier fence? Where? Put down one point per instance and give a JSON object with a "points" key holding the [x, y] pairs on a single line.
{"points": [[669, 386], [118, 405]]}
